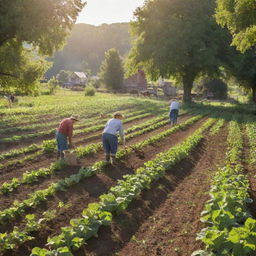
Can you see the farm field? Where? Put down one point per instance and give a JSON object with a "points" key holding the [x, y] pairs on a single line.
{"points": [[170, 186]]}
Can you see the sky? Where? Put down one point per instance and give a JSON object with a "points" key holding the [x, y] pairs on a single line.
{"points": [[97, 12]]}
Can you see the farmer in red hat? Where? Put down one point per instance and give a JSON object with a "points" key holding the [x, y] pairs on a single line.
{"points": [[64, 134]]}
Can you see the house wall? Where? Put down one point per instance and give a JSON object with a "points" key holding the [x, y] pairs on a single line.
{"points": [[137, 81]]}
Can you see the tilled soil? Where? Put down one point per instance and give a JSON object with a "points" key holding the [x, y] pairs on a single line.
{"points": [[4, 147], [45, 160], [89, 189], [22, 192], [165, 219]]}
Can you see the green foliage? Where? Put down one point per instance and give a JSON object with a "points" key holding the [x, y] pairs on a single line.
{"points": [[29, 29], [112, 72], [242, 68], [231, 229], [9, 187], [152, 140], [16, 152], [89, 91], [43, 24], [217, 87], [251, 134], [49, 146], [95, 83], [119, 197], [239, 17], [216, 128], [177, 38], [20, 70], [52, 85], [63, 76]]}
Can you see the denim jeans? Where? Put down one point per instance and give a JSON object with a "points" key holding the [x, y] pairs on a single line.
{"points": [[110, 143], [174, 115], [62, 142]]}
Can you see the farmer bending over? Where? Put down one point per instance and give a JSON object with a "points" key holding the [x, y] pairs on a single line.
{"points": [[109, 137], [174, 111], [64, 134]]}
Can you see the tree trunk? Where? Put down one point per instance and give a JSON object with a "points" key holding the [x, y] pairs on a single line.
{"points": [[7, 74], [254, 94], [187, 80]]}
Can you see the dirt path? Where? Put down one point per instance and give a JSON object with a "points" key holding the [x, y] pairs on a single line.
{"points": [[89, 190], [164, 220]]}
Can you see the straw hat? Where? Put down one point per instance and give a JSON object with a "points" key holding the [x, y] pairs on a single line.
{"points": [[117, 114], [74, 117]]}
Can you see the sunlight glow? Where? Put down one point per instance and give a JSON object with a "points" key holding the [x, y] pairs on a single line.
{"points": [[97, 12]]}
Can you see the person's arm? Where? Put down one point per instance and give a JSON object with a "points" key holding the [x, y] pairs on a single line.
{"points": [[70, 135], [121, 132]]}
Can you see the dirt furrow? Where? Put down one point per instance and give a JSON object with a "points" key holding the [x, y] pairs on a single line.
{"points": [[19, 193], [4, 147], [45, 160], [164, 220], [88, 190]]}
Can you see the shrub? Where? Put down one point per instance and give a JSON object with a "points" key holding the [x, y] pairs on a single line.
{"points": [[89, 91], [52, 85], [217, 87]]}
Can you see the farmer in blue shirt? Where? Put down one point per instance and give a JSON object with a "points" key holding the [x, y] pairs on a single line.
{"points": [[109, 137]]}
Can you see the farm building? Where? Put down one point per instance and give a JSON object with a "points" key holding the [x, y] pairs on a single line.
{"points": [[168, 89], [76, 79], [136, 82]]}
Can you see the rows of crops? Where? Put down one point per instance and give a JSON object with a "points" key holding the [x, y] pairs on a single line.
{"points": [[50, 208]]}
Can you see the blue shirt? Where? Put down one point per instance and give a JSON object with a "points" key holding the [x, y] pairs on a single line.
{"points": [[113, 126]]}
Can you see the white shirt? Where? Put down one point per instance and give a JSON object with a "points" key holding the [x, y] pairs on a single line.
{"points": [[113, 126], [174, 105]]}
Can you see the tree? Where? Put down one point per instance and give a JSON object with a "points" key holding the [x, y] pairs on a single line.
{"points": [[177, 38], [243, 68], [217, 87], [26, 69], [240, 18], [63, 76], [41, 26], [112, 73]]}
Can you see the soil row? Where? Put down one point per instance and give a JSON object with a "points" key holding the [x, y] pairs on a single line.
{"points": [[4, 147], [165, 219], [78, 140], [89, 190], [21, 192]]}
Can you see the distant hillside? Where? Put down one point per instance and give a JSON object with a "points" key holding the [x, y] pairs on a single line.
{"points": [[88, 43]]}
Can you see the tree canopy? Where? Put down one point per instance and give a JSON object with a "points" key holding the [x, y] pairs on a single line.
{"points": [[20, 69], [29, 28], [177, 38], [112, 72], [41, 23], [240, 19], [243, 68]]}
